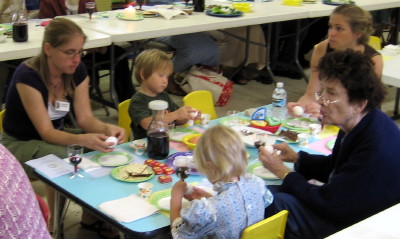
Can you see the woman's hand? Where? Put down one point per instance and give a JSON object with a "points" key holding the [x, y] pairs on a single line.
{"points": [[197, 194], [274, 161], [118, 132], [96, 142]]}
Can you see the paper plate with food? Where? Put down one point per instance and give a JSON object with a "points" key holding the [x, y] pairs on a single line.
{"points": [[162, 200], [301, 124], [138, 17], [338, 2], [180, 158], [223, 11], [251, 135], [259, 170], [178, 133], [112, 159], [233, 121], [133, 173]]}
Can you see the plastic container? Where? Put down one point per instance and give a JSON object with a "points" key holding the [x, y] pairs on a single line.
{"points": [[279, 98], [157, 133]]}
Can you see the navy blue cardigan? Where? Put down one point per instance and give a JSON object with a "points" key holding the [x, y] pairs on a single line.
{"points": [[362, 175]]}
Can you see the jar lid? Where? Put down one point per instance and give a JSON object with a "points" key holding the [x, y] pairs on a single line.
{"points": [[158, 105]]}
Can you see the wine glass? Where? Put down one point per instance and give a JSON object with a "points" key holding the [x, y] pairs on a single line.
{"points": [[182, 171], [90, 7], [260, 141], [74, 153], [140, 3]]}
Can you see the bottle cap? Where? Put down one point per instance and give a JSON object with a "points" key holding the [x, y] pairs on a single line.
{"points": [[279, 84], [158, 105]]}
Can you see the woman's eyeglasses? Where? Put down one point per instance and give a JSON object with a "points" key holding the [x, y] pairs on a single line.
{"points": [[325, 100], [72, 53]]}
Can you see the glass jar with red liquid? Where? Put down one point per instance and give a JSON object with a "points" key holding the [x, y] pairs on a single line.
{"points": [[157, 133]]}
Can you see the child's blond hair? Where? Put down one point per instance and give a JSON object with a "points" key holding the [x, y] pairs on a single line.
{"points": [[220, 154], [150, 61]]}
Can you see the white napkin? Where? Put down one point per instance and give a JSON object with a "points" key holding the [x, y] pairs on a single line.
{"points": [[168, 13], [128, 209], [86, 164]]}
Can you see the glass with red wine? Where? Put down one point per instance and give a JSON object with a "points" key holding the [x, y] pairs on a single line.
{"points": [[182, 171], [74, 153], [90, 8], [140, 3]]}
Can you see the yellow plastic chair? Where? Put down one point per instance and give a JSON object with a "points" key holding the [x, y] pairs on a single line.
{"points": [[1, 119], [269, 228], [201, 100], [124, 120], [375, 42]]}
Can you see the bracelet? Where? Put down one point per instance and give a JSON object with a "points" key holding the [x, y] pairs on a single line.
{"points": [[284, 176]]}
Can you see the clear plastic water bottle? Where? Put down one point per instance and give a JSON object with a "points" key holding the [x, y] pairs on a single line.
{"points": [[279, 98]]}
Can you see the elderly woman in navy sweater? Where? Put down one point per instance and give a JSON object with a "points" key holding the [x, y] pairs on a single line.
{"points": [[362, 175]]}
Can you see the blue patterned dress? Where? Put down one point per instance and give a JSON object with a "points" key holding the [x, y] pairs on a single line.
{"points": [[235, 206]]}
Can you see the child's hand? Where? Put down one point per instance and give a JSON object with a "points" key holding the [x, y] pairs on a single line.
{"points": [[197, 194], [183, 113], [179, 189]]}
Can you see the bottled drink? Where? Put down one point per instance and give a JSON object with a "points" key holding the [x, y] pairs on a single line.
{"points": [[19, 26], [157, 133], [20, 32], [199, 5], [279, 102]]}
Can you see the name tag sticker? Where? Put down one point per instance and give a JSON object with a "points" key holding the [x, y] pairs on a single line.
{"points": [[62, 106]]}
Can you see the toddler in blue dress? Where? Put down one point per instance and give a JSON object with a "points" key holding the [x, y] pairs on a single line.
{"points": [[239, 200]]}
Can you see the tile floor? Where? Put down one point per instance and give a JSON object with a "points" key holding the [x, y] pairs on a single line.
{"points": [[252, 95]]}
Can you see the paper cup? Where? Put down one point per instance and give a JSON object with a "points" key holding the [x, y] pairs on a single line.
{"points": [[205, 119], [303, 139], [139, 146], [315, 129], [145, 190]]}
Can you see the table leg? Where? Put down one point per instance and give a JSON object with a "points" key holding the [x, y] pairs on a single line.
{"points": [[396, 105], [113, 93], [56, 216]]}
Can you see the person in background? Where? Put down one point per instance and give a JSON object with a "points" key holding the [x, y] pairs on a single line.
{"points": [[349, 28], [152, 69], [189, 50], [235, 38], [20, 215], [123, 79], [362, 175], [43, 90], [221, 156]]}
